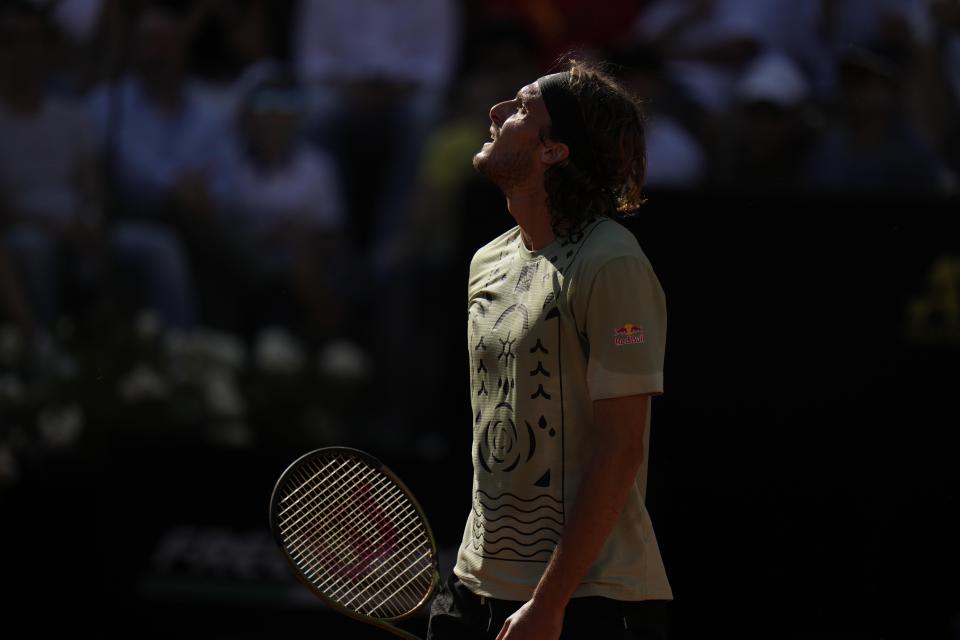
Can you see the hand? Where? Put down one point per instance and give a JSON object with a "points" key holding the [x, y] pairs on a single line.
{"points": [[533, 622]]}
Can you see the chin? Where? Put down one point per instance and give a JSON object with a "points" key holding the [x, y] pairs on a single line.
{"points": [[479, 160]]}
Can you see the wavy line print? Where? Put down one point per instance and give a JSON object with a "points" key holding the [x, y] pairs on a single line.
{"points": [[522, 555], [510, 506], [524, 533], [519, 542], [494, 554], [512, 495], [486, 519]]}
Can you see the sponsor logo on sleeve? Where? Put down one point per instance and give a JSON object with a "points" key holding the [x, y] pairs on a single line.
{"points": [[629, 334]]}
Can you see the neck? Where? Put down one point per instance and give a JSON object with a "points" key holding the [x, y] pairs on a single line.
{"points": [[529, 208]]}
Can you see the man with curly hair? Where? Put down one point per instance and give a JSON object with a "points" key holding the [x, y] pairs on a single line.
{"points": [[567, 326]]}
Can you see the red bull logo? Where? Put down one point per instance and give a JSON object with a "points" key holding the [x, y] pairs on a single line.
{"points": [[629, 334]]}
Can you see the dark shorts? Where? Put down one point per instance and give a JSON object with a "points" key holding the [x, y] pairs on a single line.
{"points": [[458, 614]]}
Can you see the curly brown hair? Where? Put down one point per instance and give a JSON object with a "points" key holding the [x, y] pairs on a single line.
{"points": [[612, 186]]}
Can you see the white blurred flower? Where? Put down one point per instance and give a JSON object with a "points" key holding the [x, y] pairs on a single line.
{"points": [[148, 324], [223, 396], [142, 383], [344, 360], [11, 388], [277, 351], [192, 356], [233, 434], [61, 426], [222, 349]]}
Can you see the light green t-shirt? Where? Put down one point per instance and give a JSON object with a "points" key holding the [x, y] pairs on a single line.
{"points": [[550, 331]]}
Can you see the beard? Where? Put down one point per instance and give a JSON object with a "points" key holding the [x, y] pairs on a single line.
{"points": [[504, 167]]}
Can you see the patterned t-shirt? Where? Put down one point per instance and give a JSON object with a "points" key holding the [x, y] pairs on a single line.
{"points": [[550, 331]]}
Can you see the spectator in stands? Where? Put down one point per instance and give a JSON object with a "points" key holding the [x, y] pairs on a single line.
{"points": [[282, 198], [235, 45], [51, 192], [815, 33], [706, 44], [873, 146], [160, 141], [378, 73], [676, 158], [163, 144], [772, 130]]}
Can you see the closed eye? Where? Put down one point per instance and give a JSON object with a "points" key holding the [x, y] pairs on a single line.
{"points": [[521, 105]]}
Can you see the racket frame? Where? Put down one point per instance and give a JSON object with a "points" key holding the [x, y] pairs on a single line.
{"points": [[384, 623]]}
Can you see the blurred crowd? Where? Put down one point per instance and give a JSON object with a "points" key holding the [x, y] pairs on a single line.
{"points": [[246, 164]]}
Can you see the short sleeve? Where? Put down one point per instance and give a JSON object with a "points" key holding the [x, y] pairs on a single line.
{"points": [[625, 327]]}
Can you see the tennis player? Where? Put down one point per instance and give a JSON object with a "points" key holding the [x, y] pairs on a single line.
{"points": [[567, 327]]}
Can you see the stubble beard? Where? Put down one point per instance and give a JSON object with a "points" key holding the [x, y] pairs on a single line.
{"points": [[504, 168]]}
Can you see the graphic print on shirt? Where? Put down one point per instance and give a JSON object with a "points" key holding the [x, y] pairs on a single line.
{"points": [[518, 507]]}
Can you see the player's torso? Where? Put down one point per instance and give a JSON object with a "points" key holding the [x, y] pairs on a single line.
{"points": [[520, 333]]}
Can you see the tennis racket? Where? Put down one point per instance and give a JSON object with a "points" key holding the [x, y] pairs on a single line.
{"points": [[355, 535]]}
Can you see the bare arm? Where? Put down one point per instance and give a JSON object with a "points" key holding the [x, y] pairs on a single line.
{"points": [[620, 424]]}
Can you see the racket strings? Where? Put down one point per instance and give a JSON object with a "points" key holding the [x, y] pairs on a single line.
{"points": [[340, 512], [312, 496], [357, 537], [381, 486], [312, 559], [400, 569], [408, 522], [308, 513], [343, 589], [305, 483]]}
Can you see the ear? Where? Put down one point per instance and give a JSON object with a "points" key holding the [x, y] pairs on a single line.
{"points": [[553, 152]]}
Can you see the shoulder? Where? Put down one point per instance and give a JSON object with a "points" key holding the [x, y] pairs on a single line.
{"points": [[604, 241], [496, 246], [610, 261]]}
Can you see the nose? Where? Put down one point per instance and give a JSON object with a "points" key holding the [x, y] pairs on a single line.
{"points": [[497, 112]]}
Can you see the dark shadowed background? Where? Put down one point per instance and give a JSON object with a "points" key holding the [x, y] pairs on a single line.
{"points": [[234, 231]]}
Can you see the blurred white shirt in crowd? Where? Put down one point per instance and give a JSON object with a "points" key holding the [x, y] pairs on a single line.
{"points": [[78, 18], [799, 29], [710, 85], [397, 40], [39, 157], [151, 149], [675, 159], [306, 191]]}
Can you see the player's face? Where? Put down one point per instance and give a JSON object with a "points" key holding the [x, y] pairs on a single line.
{"points": [[512, 154]]}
